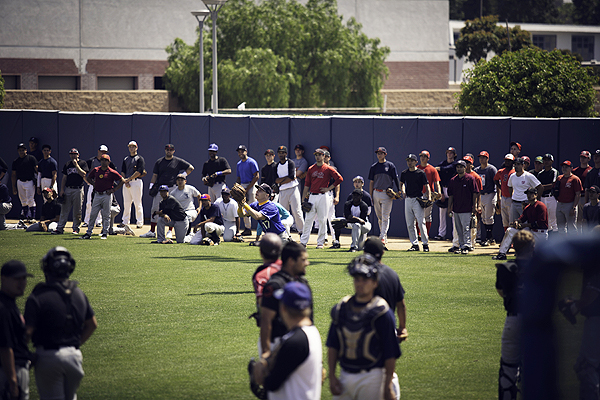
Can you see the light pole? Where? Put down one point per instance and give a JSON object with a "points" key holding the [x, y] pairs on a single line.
{"points": [[214, 6], [201, 16]]}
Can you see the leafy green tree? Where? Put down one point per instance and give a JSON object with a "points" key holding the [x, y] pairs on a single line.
{"points": [[586, 12], [535, 11], [529, 83], [2, 92], [306, 52], [481, 36]]}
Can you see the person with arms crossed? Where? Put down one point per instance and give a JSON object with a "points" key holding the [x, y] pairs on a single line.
{"points": [[412, 183], [134, 168], [247, 175], [382, 175], [59, 320], [503, 199], [214, 172], [547, 176], [462, 202], [487, 172], [289, 196], [518, 183], [71, 191], [24, 175]]}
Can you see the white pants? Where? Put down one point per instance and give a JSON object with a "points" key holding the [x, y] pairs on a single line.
{"points": [[505, 204], [443, 216], [215, 190], [488, 206], [287, 224], [22, 381], [45, 182], [250, 192], [359, 231], [133, 194], [181, 228], [564, 220], [4, 209], [540, 236], [382, 204], [414, 212], [88, 207], [26, 191], [290, 200], [229, 230], [58, 373], [320, 210], [550, 203], [364, 385], [209, 227]]}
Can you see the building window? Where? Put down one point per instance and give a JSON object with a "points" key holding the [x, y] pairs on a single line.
{"points": [[12, 82], [545, 42], [58, 82], [583, 45], [159, 84], [117, 83]]}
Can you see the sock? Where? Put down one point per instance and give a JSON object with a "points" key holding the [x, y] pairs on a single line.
{"points": [[32, 212], [24, 212], [428, 225], [152, 226]]}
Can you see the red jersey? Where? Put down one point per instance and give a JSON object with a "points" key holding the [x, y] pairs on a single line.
{"points": [[477, 179], [431, 174], [581, 173], [535, 214], [568, 187], [319, 177], [262, 276], [104, 179], [502, 175]]}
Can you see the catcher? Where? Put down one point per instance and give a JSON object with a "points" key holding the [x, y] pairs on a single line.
{"points": [[294, 368]]}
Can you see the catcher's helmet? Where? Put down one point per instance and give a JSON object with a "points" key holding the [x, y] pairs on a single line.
{"points": [[58, 262], [365, 265]]}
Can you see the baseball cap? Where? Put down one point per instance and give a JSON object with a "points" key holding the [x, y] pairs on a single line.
{"points": [[567, 163], [594, 188], [526, 159], [103, 147], [424, 153], [49, 190], [265, 188], [452, 149], [299, 146], [519, 160], [163, 187], [21, 146], [585, 154], [509, 157], [241, 147], [469, 159], [205, 196], [461, 162], [531, 190], [269, 151], [597, 152], [411, 157], [182, 176], [34, 139], [14, 269], [516, 144], [282, 149], [374, 246], [319, 151], [132, 143], [294, 295], [73, 151], [170, 146], [365, 265], [226, 191], [327, 154], [105, 157], [484, 154], [324, 147], [548, 156], [539, 159], [359, 178], [213, 147], [382, 149]]}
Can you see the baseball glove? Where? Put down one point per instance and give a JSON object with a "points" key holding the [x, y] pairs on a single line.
{"points": [[209, 180], [238, 193], [258, 390], [306, 206], [564, 306], [393, 195], [237, 238], [424, 203], [339, 223]]}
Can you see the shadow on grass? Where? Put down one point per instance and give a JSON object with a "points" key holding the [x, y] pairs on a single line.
{"points": [[219, 293], [212, 258]]}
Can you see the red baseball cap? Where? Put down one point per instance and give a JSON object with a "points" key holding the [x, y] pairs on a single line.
{"points": [[425, 153], [525, 158], [566, 162], [585, 154], [468, 158], [485, 154], [516, 144]]}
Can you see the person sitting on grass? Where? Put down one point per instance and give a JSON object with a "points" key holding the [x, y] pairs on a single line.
{"points": [[211, 224], [50, 213], [170, 213]]}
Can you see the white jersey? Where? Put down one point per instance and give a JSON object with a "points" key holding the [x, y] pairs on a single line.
{"points": [[520, 184], [228, 210], [282, 171], [186, 196]]}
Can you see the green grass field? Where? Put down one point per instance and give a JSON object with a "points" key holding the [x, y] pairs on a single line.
{"points": [[173, 319]]}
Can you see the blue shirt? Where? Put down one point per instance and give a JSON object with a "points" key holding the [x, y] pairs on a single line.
{"points": [[246, 170], [4, 194], [273, 222], [283, 214], [46, 167]]}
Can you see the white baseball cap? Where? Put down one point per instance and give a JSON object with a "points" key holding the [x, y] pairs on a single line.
{"points": [[132, 143], [103, 148]]}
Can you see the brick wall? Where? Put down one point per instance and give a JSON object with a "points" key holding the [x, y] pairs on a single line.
{"points": [[417, 75]]}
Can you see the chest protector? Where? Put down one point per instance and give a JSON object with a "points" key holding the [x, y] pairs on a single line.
{"points": [[360, 347]]}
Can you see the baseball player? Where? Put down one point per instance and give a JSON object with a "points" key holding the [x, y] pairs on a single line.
{"points": [[517, 184], [5, 206], [533, 219], [134, 168], [591, 211], [301, 167], [333, 196], [214, 172], [24, 175], [462, 205], [581, 172], [547, 178], [510, 287], [185, 195], [34, 149], [446, 169], [487, 172], [93, 163], [270, 250], [59, 320], [103, 179], [165, 172], [362, 338], [503, 192], [265, 212], [294, 260], [515, 149], [284, 216], [50, 213], [293, 371], [526, 163], [568, 199], [468, 158], [247, 175], [538, 166], [170, 213], [268, 173], [289, 196], [211, 224], [71, 191], [231, 220], [382, 176], [14, 353], [433, 178], [593, 176], [358, 182], [47, 171], [356, 219], [412, 183], [316, 187]]}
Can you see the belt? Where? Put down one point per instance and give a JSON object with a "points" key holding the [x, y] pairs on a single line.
{"points": [[379, 190], [74, 187], [540, 230], [105, 192], [25, 180], [547, 195], [358, 371], [55, 347], [317, 193]]}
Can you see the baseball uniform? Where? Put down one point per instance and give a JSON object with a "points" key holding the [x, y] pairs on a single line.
{"points": [[166, 171], [73, 195], [505, 201], [535, 214], [25, 171], [461, 190], [383, 176], [546, 177], [229, 214], [413, 187], [213, 229], [91, 164], [570, 187], [488, 199], [171, 207], [47, 171], [216, 166], [289, 196], [103, 188], [245, 172], [132, 192], [520, 183]]}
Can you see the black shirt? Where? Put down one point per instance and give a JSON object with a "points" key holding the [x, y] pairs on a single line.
{"points": [[167, 170], [366, 197], [413, 182], [389, 286], [591, 214], [132, 165], [546, 178], [508, 277], [50, 209], [73, 177], [172, 207], [4, 194], [12, 330], [212, 211], [25, 167], [268, 174], [213, 166], [3, 166], [592, 178], [446, 172], [48, 312], [364, 209]]}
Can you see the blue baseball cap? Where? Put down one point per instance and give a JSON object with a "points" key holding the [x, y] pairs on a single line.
{"points": [[213, 147], [294, 295], [163, 187], [358, 177]]}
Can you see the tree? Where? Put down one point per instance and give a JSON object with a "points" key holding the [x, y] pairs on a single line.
{"points": [[586, 12], [529, 83], [306, 52], [2, 92], [481, 36]]}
